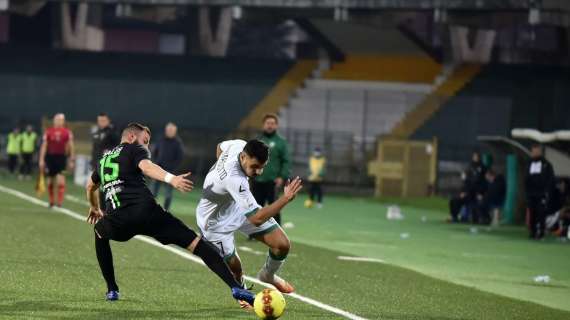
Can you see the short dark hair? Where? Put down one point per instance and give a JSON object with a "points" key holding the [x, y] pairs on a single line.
{"points": [[491, 172], [271, 116], [135, 128], [257, 149], [536, 145], [103, 114]]}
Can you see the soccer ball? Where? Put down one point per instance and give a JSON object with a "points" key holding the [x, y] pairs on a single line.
{"points": [[269, 304], [308, 203]]}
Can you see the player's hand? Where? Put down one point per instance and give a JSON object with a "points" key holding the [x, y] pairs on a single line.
{"points": [[292, 188], [94, 215], [278, 182], [182, 182], [71, 164]]}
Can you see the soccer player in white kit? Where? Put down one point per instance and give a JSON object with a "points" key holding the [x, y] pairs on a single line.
{"points": [[227, 205]]}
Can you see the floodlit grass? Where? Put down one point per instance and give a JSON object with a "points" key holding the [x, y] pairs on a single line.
{"points": [[49, 270]]}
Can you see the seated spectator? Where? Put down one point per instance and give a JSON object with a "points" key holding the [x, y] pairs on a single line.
{"points": [[558, 197], [494, 199], [558, 218], [564, 223], [456, 204], [468, 204]]}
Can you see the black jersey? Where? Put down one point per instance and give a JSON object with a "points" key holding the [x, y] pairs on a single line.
{"points": [[121, 180]]}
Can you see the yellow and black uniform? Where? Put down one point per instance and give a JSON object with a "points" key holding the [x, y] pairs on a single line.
{"points": [[14, 149], [29, 140], [317, 166]]}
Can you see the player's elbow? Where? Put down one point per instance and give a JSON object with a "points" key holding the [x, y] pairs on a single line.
{"points": [[256, 220], [91, 186], [218, 151]]}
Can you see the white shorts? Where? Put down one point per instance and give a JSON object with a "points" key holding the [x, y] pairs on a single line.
{"points": [[225, 241]]}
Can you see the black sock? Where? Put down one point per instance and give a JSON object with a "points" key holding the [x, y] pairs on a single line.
{"points": [[105, 258], [214, 261]]}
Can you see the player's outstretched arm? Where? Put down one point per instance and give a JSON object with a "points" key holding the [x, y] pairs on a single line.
{"points": [[218, 150], [93, 197], [265, 213], [180, 182]]}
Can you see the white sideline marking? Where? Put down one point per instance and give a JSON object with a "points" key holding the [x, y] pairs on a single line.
{"points": [[250, 250], [360, 259], [182, 253], [76, 200]]}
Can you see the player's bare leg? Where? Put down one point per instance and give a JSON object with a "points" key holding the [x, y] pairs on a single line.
{"points": [[279, 246], [209, 254], [105, 259], [235, 266]]}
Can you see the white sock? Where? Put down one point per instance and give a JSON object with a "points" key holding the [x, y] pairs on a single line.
{"points": [[273, 264]]}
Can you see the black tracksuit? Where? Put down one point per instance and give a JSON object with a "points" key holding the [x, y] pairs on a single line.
{"points": [[104, 140], [168, 153], [539, 184], [476, 185], [493, 198]]}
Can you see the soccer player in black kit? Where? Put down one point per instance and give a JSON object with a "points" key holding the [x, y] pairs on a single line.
{"points": [[131, 209]]}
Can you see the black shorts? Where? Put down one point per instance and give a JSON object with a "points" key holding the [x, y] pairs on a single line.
{"points": [[55, 164], [147, 219]]}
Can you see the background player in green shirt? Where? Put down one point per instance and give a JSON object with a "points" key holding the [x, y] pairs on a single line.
{"points": [[278, 168]]}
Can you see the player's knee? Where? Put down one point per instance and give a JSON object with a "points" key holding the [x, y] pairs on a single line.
{"points": [[283, 246]]}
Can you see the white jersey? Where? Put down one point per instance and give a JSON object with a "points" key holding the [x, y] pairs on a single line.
{"points": [[226, 200]]}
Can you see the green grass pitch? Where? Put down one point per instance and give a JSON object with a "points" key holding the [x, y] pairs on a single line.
{"points": [[48, 268]]}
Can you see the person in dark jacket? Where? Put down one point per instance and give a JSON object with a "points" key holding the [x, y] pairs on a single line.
{"points": [[494, 198], [167, 153], [458, 202], [105, 138], [539, 184], [476, 186]]}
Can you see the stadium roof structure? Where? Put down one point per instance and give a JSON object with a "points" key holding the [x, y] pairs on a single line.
{"points": [[554, 5], [505, 145], [542, 137]]}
